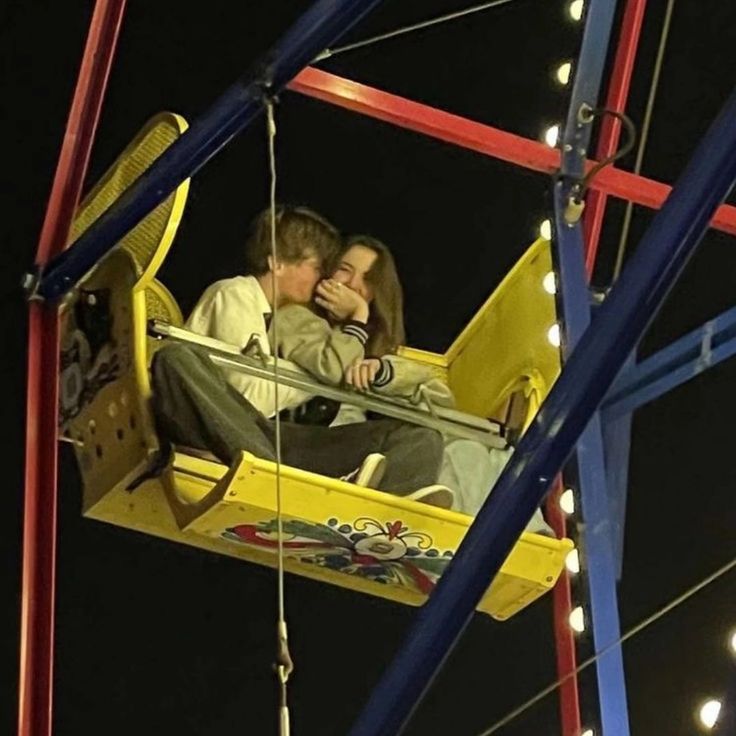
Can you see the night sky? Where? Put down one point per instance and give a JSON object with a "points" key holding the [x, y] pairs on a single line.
{"points": [[153, 638]]}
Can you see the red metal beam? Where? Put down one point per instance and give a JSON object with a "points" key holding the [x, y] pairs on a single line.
{"points": [[618, 92], [482, 138], [39, 520]]}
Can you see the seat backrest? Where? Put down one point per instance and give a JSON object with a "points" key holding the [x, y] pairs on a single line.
{"points": [[105, 388], [505, 349], [149, 241]]}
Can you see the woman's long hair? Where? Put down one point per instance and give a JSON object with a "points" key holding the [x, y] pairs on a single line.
{"points": [[386, 321]]}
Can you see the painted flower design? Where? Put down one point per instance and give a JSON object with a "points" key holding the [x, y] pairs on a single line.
{"points": [[388, 553]]}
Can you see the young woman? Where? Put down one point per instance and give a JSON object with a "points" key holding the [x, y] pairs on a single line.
{"points": [[356, 343]]}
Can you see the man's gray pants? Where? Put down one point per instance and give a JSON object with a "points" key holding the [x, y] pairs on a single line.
{"points": [[196, 406]]}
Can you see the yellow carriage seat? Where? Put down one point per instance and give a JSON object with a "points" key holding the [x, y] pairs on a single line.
{"points": [[505, 361], [333, 531]]}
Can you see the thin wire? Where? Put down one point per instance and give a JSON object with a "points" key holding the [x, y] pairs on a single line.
{"points": [[328, 53], [628, 635], [630, 141], [623, 240], [284, 664]]}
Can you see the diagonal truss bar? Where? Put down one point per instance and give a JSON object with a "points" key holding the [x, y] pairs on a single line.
{"points": [[482, 138], [35, 689], [620, 322], [324, 22], [682, 360]]}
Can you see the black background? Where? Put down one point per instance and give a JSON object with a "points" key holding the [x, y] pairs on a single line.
{"points": [[153, 638]]}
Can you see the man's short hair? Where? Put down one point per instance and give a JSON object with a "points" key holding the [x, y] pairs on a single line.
{"points": [[300, 233]]}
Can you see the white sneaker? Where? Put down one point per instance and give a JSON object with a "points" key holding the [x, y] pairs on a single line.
{"points": [[369, 473], [435, 495]]}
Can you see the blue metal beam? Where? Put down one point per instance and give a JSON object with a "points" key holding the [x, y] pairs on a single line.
{"points": [[600, 567], [315, 30], [586, 86], [617, 447], [598, 357], [601, 614], [680, 361]]}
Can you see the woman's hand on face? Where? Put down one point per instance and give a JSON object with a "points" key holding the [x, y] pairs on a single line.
{"points": [[361, 373], [340, 301]]}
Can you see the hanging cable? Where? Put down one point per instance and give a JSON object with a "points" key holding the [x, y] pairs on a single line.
{"points": [[628, 635], [284, 663], [587, 115], [328, 53], [623, 240]]}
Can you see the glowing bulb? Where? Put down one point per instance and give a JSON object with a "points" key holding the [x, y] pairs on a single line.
{"points": [[576, 9], [572, 561], [549, 283], [563, 72], [732, 641], [708, 713], [552, 135], [577, 619], [588, 732], [567, 501], [545, 229], [553, 335]]}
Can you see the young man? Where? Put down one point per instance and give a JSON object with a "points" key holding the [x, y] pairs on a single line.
{"points": [[238, 309], [198, 405]]}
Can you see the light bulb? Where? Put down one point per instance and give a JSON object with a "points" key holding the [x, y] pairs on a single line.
{"points": [[553, 335], [552, 135], [732, 641], [545, 229], [549, 283], [572, 561], [567, 501], [588, 732], [563, 72], [708, 713], [577, 619], [576, 9]]}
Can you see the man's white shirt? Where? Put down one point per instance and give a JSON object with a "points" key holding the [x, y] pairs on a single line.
{"points": [[233, 310]]}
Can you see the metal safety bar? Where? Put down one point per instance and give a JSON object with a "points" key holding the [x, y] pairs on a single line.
{"points": [[443, 419]]}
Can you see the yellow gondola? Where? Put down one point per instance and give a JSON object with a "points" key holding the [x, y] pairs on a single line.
{"points": [[333, 531]]}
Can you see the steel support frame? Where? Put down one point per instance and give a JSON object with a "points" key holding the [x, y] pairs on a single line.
{"points": [[640, 383], [682, 360], [617, 448], [484, 139], [432, 122], [616, 437], [632, 303], [318, 27], [58, 269], [601, 609], [35, 688], [242, 103]]}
